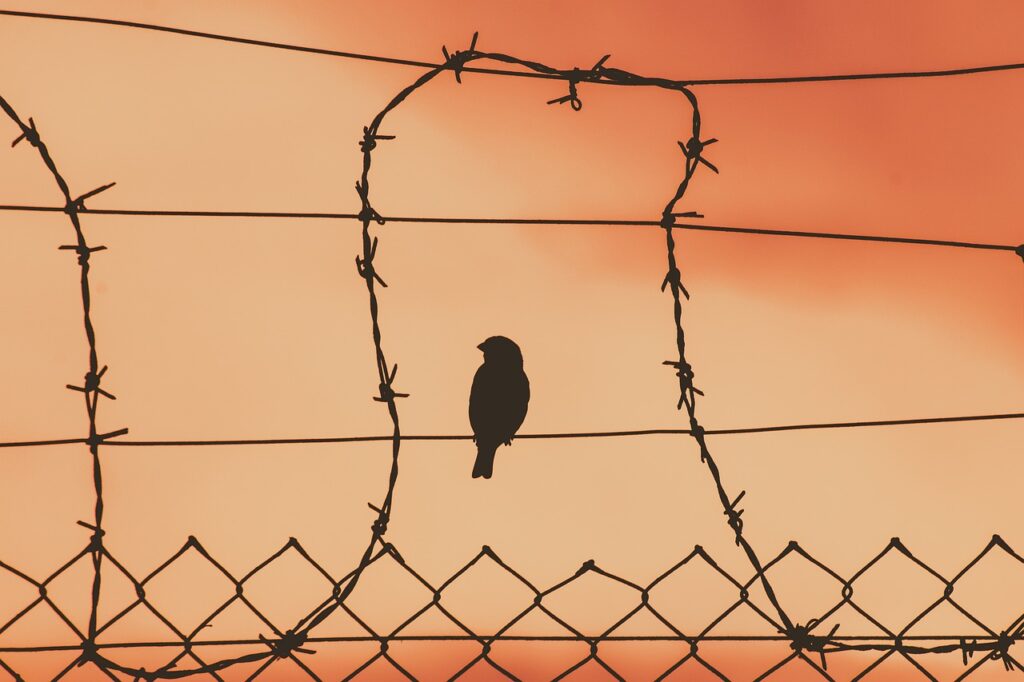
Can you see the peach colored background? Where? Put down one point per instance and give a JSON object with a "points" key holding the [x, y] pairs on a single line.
{"points": [[250, 328]]}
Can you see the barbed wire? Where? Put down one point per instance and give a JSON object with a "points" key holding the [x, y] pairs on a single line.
{"points": [[567, 76], [91, 388], [290, 642], [565, 222]]}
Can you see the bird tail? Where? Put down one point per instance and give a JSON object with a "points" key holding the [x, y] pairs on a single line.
{"points": [[484, 465]]}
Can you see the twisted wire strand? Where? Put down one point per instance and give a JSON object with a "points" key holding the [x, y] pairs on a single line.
{"points": [[91, 388]]}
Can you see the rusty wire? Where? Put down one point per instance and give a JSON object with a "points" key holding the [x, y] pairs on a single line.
{"points": [[806, 641]]}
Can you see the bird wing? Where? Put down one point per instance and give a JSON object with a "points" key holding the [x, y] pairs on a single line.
{"points": [[480, 401], [498, 402], [518, 402]]}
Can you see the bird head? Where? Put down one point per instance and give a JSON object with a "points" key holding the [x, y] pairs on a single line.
{"points": [[502, 350]]}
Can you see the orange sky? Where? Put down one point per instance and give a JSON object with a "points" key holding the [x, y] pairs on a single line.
{"points": [[259, 328]]}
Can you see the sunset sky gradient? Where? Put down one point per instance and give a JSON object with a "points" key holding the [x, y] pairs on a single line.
{"points": [[245, 328]]}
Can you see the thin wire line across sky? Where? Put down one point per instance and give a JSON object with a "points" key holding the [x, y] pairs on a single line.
{"points": [[938, 73], [563, 222], [533, 436]]}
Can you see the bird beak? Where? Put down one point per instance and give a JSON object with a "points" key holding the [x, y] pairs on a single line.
{"points": [[481, 346]]}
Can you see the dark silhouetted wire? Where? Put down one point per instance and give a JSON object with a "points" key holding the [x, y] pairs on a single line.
{"points": [[121, 442], [768, 80], [581, 222], [860, 424], [985, 642], [91, 388], [39, 443]]}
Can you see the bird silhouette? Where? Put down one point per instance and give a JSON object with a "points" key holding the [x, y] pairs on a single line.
{"points": [[497, 401]]}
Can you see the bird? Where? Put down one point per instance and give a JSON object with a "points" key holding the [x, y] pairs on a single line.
{"points": [[498, 400]]}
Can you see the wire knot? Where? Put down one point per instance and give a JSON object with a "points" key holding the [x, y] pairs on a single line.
{"points": [[696, 430], [675, 278], [573, 97], [100, 438], [380, 524], [28, 133], [96, 539], [82, 250], [967, 649], [366, 271], [685, 373], [694, 147], [597, 70], [367, 214], [78, 204], [92, 385], [456, 61], [801, 639], [92, 379], [1001, 651], [735, 522], [364, 266], [369, 141], [668, 218], [288, 642], [387, 393]]}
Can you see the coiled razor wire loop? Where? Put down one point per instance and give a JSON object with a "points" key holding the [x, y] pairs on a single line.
{"points": [[286, 643], [455, 62]]}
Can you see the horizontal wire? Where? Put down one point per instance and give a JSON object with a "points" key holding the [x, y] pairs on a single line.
{"points": [[582, 222], [534, 436], [36, 443], [497, 638], [506, 72]]}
